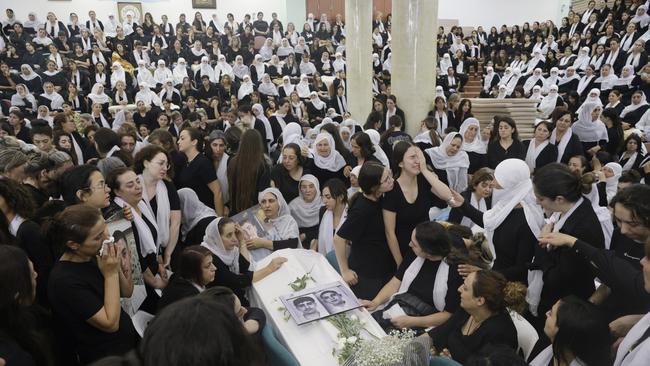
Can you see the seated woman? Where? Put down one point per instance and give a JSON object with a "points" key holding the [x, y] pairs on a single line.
{"points": [[281, 229], [86, 285], [632, 153], [253, 319], [196, 270], [473, 144], [449, 162], [305, 209], [479, 194], [424, 288], [539, 151], [578, 334], [335, 200], [225, 240], [195, 217], [483, 319], [505, 142]]}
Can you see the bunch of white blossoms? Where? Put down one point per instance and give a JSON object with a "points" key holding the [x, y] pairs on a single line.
{"points": [[387, 351]]}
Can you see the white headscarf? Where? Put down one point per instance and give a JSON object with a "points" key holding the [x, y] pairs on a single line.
{"points": [[592, 97], [144, 75], [306, 213], [287, 86], [32, 75], [213, 242], [316, 102], [478, 145], [192, 210], [445, 63], [536, 94], [551, 80], [487, 82], [339, 63], [334, 161], [162, 73], [223, 67], [533, 79], [584, 82], [117, 75], [548, 103], [284, 226], [96, 97], [245, 88], [303, 87], [586, 128], [633, 107], [262, 117], [455, 165], [239, 69], [180, 71], [513, 175], [611, 184], [206, 69], [375, 138], [267, 87]]}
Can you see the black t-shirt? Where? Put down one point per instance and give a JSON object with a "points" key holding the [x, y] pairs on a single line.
{"points": [[196, 175], [409, 215], [422, 285], [76, 292], [237, 282], [285, 183], [172, 194], [364, 227]]}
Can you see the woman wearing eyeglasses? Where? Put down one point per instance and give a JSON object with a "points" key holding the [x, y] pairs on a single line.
{"points": [[152, 165]]}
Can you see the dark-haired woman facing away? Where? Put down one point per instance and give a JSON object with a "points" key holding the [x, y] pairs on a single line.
{"points": [[248, 172], [86, 285], [370, 263]]}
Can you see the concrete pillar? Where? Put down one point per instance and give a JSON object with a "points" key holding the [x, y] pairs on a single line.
{"points": [[413, 59], [358, 50]]}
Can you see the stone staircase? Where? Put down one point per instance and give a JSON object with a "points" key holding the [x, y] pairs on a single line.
{"points": [[474, 84]]}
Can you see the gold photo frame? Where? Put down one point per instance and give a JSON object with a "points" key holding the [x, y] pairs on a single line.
{"points": [[204, 4], [123, 8]]}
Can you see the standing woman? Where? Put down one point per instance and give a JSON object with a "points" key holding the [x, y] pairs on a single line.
{"points": [[479, 194], [286, 176], [473, 145], [539, 151], [198, 173], [565, 272], [512, 224], [305, 208], [216, 152], [450, 162], [568, 144], [335, 199], [159, 194], [248, 172], [506, 145], [371, 262], [225, 240], [417, 189], [85, 287], [328, 162]]}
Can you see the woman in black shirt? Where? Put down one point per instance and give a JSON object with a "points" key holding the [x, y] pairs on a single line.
{"points": [[429, 280], [568, 144], [483, 319], [506, 145], [84, 292], [539, 151], [198, 173], [370, 263], [195, 271]]}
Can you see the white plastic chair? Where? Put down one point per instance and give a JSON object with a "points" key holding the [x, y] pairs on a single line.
{"points": [[527, 336]]}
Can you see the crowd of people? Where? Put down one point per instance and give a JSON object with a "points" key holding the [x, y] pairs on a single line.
{"points": [[471, 231]]}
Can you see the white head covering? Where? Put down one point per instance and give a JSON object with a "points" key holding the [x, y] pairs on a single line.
{"points": [[477, 145], [633, 107], [212, 240], [303, 87], [586, 128], [267, 87], [118, 74], [287, 86], [284, 226], [315, 101], [513, 175], [223, 67], [455, 165], [206, 69], [548, 103], [306, 213], [611, 184], [96, 97], [375, 138], [334, 161], [180, 71], [245, 88], [239, 69], [192, 210]]}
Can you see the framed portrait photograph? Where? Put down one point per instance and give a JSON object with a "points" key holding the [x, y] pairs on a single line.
{"points": [[319, 302], [130, 8], [204, 4]]}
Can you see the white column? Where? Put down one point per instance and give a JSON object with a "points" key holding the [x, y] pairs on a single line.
{"points": [[358, 50], [413, 59]]}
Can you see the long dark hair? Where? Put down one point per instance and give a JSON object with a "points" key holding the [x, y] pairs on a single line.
{"points": [[612, 115], [557, 179], [365, 144], [337, 189], [369, 179], [582, 331], [243, 170], [72, 224]]}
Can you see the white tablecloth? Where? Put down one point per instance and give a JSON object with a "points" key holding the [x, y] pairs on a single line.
{"points": [[311, 343]]}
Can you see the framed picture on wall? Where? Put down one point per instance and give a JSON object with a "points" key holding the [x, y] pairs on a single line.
{"points": [[133, 8], [204, 4]]}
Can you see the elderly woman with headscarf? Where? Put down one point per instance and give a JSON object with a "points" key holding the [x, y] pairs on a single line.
{"points": [[147, 96], [633, 113], [205, 69], [534, 80], [180, 71], [30, 78], [548, 103], [551, 80], [224, 238], [450, 162], [50, 97], [473, 144], [316, 108], [592, 97], [490, 80], [267, 88], [143, 75], [582, 61], [281, 229], [118, 73], [539, 151], [239, 69], [98, 95], [608, 182], [591, 131], [223, 68], [569, 81], [170, 93], [512, 224], [257, 69], [303, 88], [245, 89], [24, 100], [587, 82], [305, 208], [328, 162], [162, 73], [285, 90]]}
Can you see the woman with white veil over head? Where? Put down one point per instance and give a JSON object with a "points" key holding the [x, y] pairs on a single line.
{"points": [[549, 102], [375, 137], [180, 71], [449, 159], [513, 223], [592, 97], [591, 131]]}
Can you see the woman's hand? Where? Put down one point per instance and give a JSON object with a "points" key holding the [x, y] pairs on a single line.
{"points": [[347, 170], [402, 322], [557, 240], [369, 305], [276, 263], [456, 200], [109, 261], [127, 212], [465, 269], [256, 243], [350, 277]]}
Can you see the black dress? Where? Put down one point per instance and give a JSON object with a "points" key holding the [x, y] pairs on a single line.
{"points": [[476, 161], [237, 282], [409, 215], [177, 289], [324, 175], [196, 175], [496, 153], [546, 156], [76, 292], [573, 148], [369, 256], [498, 329], [422, 285], [288, 186]]}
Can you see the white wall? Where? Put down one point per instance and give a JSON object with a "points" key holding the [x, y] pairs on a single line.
{"points": [[156, 7], [468, 12], [497, 12]]}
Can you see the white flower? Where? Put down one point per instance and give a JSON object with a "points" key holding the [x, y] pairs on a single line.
{"points": [[354, 318], [352, 340], [341, 342]]}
